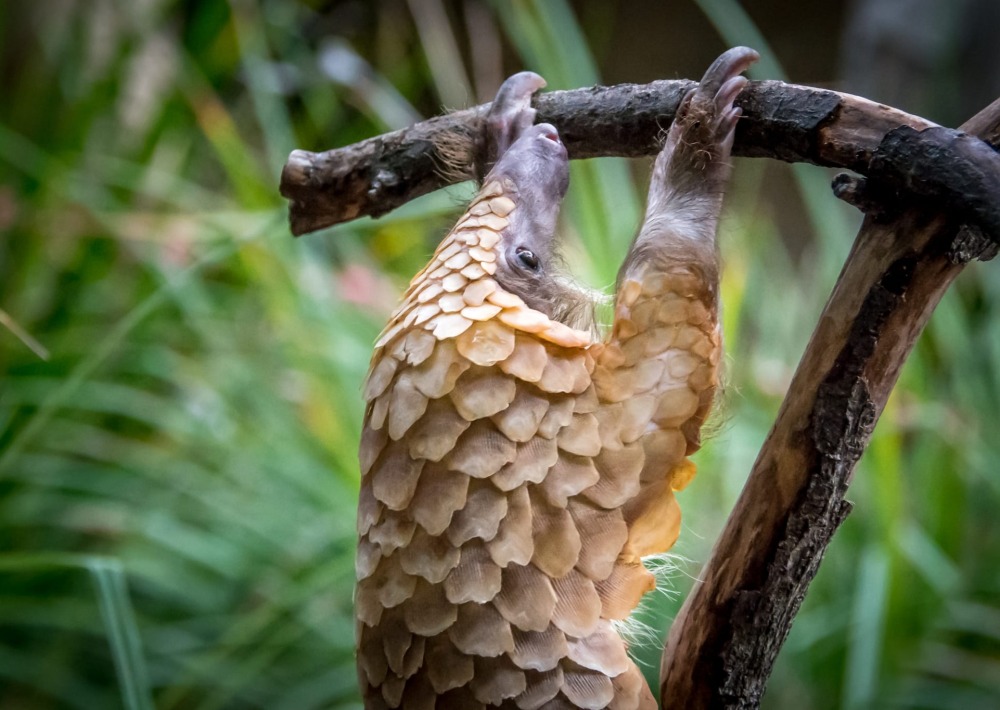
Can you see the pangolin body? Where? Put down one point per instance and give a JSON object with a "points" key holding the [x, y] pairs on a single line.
{"points": [[516, 469]]}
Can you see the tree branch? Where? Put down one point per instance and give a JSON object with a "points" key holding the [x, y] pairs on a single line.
{"points": [[723, 644], [784, 121]]}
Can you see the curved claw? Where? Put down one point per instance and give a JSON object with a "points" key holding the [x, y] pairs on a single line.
{"points": [[517, 89], [728, 65], [729, 90], [511, 113], [713, 100]]}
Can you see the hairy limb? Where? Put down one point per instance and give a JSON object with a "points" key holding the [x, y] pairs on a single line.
{"points": [[660, 364]]}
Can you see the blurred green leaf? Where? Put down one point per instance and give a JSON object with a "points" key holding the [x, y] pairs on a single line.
{"points": [[121, 630]]}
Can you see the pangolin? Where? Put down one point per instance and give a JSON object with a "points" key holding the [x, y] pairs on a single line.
{"points": [[516, 468]]}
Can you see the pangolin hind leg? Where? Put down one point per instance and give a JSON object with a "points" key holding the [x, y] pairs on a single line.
{"points": [[662, 360]]}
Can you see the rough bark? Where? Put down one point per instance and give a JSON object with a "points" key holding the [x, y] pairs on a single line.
{"points": [[784, 121], [723, 644]]}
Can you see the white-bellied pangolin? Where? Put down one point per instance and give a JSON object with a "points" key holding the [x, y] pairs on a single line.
{"points": [[516, 468]]}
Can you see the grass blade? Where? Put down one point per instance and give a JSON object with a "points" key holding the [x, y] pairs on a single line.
{"points": [[117, 615]]}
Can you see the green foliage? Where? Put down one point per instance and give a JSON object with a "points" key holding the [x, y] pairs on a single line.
{"points": [[178, 477]]}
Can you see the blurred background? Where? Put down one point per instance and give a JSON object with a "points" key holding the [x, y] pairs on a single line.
{"points": [[180, 378]]}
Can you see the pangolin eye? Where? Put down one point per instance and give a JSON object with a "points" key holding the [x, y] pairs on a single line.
{"points": [[527, 257]]}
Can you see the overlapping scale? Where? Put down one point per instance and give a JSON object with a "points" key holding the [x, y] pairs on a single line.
{"points": [[437, 432], [406, 405], [481, 393], [389, 584], [447, 667], [431, 557], [393, 531], [527, 598], [519, 421], [496, 679], [631, 692], [543, 686], [605, 532], [556, 539], [436, 376], [476, 578], [585, 688], [578, 609], [392, 690], [569, 476], [485, 507], [528, 359], [428, 611], [581, 436], [372, 442], [396, 641], [481, 631], [654, 519], [368, 556], [619, 471], [481, 451], [620, 593], [439, 494], [565, 373], [395, 478], [539, 650], [514, 542], [531, 463], [600, 651], [372, 661]]}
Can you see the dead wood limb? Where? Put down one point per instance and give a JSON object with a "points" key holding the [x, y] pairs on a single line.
{"points": [[723, 644], [784, 121]]}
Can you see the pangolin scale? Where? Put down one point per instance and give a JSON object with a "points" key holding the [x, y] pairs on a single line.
{"points": [[515, 468]]}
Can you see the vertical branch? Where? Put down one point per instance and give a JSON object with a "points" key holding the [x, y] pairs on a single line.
{"points": [[723, 644]]}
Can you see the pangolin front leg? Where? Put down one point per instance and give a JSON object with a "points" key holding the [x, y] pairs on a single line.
{"points": [[500, 462]]}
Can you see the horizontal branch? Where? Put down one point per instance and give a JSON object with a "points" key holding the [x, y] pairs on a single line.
{"points": [[723, 643], [783, 121]]}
